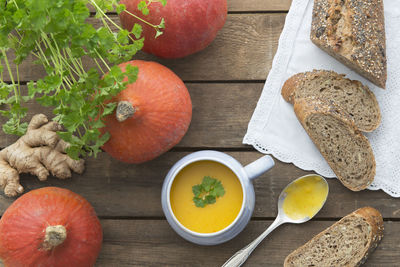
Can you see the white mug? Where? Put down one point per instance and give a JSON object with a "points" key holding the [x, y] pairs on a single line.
{"points": [[244, 174]]}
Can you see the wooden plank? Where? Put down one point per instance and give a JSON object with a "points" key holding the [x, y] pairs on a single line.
{"points": [[153, 243], [254, 5], [258, 5], [221, 113], [117, 189], [243, 50]]}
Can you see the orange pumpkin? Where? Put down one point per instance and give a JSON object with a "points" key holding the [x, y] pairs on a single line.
{"points": [[50, 227], [190, 25], [152, 116]]}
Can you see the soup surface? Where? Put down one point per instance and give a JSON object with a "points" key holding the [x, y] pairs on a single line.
{"points": [[213, 217], [305, 197]]}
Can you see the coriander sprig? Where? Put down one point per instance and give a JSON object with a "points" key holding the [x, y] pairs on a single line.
{"points": [[207, 192], [58, 35]]}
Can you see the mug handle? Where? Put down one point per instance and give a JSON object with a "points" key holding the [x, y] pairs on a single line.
{"points": [[259, 167]]}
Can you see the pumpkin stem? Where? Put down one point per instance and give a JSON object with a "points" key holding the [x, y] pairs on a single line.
{"points": [[125, 110], [55, 235]]}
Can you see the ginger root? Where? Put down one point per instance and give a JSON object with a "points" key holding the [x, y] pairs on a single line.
{"points": [[39, 152]]}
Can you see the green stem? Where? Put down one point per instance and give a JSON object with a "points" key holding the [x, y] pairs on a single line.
{"points": [[1, 73], [43, 57], [61, 57], [55, 56], [108, 27], [67, 81], [102, 59], [15, 3], [77, 65], [142, 20], [78, 62], [59, 61], [129, 13], [18, 83], [112, 22], [104, 14], [17, 96], [98, 65]]}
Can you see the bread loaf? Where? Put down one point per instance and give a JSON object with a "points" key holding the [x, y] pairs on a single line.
{"points": [[351, 96], [346, 150], [348, 242], [353, 31]]}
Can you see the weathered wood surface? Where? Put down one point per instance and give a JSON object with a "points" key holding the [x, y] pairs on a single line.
{"points": [[254, 5], [121, 190], [221, 113], [243, 50], [127, 197], [258, 5], [132, 243]]}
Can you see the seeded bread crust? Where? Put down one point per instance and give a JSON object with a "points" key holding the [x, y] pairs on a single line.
{"points": [[306, 107], [353, 32], [374, 220], [297, 81], [289, 88]]}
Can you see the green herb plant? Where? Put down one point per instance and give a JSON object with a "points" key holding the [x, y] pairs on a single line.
{"points": [[61, 35], [207, 192]]}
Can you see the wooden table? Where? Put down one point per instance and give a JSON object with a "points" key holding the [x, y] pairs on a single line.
{"points": [[225, 82]]}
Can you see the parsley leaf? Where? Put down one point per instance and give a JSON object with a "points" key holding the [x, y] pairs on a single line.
{"points": [[199, 202], [207, 192], [207, 183], [197, 190], [210, 199]]}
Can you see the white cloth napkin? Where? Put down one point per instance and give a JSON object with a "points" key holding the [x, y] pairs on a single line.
{"points": [[274, 128]]}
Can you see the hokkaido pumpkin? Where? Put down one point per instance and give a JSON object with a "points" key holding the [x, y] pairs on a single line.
{"points": [[152, 116], [50, 227], [190, 25]]}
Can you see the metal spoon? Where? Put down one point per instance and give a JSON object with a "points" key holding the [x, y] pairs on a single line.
{"points": [[241, 256]]}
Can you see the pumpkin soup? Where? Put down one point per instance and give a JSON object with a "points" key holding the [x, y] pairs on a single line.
{"points": [[305, 197], [214, 216]]}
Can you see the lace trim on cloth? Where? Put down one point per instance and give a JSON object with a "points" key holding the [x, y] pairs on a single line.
{"points": [[385, 145]]}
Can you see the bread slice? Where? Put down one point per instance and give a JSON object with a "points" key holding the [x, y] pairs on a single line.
{"points": [[353, 31], [346, 150], [350, 95], [348, 242]]}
